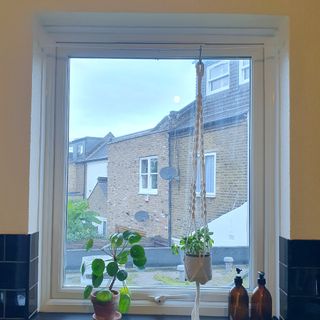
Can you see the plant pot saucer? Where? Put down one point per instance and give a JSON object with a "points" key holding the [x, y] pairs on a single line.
{"points": [[116, 317]]}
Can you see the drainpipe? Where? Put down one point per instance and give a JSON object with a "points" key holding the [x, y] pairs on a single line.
{"points": [[170, 192]]}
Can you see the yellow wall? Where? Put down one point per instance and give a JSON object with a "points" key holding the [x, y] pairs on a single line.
{"points": [[15, 95]]}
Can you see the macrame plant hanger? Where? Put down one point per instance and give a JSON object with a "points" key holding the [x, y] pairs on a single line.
{"points": [[198, 220]]}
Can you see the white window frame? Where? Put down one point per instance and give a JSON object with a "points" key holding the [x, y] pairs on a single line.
{"points": [[217, 77], [242, 67], [210, 194], [56, 298], [149, 189]]}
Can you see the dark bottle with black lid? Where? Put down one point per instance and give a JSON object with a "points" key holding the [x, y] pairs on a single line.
{"points": [[261, 301], [238, 300]]}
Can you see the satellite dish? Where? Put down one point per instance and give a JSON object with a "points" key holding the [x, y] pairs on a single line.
{"points": [[168, 173], [141, 216]]}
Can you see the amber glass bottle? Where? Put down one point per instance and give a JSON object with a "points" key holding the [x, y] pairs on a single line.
{"points": [[238, 300], [261, 302]]}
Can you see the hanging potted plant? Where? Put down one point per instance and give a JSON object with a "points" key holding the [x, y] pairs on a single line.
{"points": [[108, 303], [197, 255]]}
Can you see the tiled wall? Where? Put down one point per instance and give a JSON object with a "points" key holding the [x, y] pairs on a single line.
{"points": [[299, 279], [18, 276]]}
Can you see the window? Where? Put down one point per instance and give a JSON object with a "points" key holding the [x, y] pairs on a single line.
{"points": [[80, 149], [244, 71], [238, 180], [218, 76], [210, 165], [148, 175]]}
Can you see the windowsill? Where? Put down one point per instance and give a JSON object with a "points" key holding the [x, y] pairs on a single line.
{"points": [[78, 316]]}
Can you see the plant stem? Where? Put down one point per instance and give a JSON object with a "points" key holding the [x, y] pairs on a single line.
{"points": [[112, 283]]}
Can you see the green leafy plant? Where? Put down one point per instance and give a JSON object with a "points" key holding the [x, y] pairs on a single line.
{"points": [[198, 243], [120, 248], [80, 223]]}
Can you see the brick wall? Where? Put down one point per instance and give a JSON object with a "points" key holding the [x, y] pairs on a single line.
{"points": [[231, 147], [76, 177], [124, 199], [98, 201]]}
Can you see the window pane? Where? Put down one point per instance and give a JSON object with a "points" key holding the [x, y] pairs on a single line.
{"points": [[144, 181], [209, 163], [144, 166], [136, 162], [153, 165], [154, 181]]}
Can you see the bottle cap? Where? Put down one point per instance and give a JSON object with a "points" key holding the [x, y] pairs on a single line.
{"points": [[261, 279], [238, 279]]}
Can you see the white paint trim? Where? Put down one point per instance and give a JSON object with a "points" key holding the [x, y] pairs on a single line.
{"points": [[66, 303]]}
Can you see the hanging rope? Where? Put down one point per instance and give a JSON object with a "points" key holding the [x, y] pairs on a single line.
{"points": [[198, 155], [198, 149]]}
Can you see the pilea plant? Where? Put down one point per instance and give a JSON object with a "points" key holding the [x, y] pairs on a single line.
{"points": [[198, 243], [120, 248]]}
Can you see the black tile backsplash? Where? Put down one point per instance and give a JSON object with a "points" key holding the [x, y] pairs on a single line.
{"points": [[33, 272], [33, 296], [304, 253], [283, 304], [2, 294], [34, 245], [1, 247], [16, 302], [283, 250], [18, 276], [299, 270], [13, 275], [17, 248]]}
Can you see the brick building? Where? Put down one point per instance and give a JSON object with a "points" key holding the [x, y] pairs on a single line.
{"points": [[139, 198]]}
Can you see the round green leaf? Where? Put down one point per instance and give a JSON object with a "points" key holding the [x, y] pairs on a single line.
{"points": [[104, 296], [124, 302], [126, 234], [119, 240], [98, 266], [122, 275], [134, 238], [87, 291], [83, 268], [97, 280], [122, 258], [112, 268], [140, 262], [137, 251]]}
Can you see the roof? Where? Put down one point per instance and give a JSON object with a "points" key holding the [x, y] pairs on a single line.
{"points": [[99, 153], [102, 184]]}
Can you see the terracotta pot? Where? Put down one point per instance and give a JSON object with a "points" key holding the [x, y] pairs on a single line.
{"points": [[198, 268], [105, 310]]}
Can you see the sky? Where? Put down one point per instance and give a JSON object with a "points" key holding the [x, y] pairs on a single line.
{"points": [[123, 96]]}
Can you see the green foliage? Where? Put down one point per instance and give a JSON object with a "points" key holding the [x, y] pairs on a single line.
{"points": [[80, 221], [197, 243], [121, 247]]}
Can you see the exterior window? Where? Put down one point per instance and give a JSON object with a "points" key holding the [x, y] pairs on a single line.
{"points": [[149, 175], [244, 71], [210, 165], [145, 140], [80, 149], [218, 76]]}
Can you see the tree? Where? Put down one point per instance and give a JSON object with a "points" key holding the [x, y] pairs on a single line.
{"points": [[80, 223]]}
